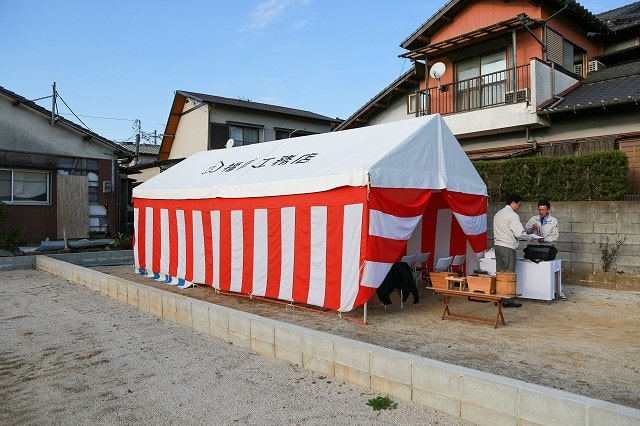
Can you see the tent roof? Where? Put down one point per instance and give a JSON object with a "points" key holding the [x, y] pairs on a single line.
{"points": [[414, 153]]}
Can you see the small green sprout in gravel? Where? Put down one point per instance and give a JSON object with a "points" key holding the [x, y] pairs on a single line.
{"points": [[382, 403]]}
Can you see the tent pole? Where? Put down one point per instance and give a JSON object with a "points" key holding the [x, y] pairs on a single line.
{"points": [[365, 312]]}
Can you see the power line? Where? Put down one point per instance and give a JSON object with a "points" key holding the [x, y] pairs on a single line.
{"points": [[136, 122], [69, 108], [107, 118]]}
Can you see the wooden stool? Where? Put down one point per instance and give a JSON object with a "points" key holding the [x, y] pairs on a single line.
{"points": [[461, 282]]}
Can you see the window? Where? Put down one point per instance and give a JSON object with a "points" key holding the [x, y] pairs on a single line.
{"points": [[24, 187], [564, 53], [244, 135], [282, 133], [417, 103], [94, 187], [482, 81], [218, 135]]}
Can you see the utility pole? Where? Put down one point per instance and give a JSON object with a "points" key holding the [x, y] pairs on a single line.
{"points": [[138, 141], [53, 105]]}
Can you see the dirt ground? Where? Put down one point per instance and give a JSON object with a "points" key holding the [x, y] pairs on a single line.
{"points": [[70, 356], [588, 344]]}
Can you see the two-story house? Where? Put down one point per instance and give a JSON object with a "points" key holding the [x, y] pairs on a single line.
{"points": [[57, 178], [199, 122], [515, 78]]}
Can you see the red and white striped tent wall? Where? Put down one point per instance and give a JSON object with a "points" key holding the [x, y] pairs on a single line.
{"points": [[316, 220]]}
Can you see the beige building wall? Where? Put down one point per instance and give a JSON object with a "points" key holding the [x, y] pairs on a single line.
{"points": [[192, 135]]}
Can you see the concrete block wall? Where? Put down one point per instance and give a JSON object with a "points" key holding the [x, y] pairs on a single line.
{"points": [[105, 257], [479, 397], [17, 262], [583, 226]]}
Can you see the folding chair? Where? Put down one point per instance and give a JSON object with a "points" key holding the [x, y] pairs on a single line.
{"points": [[457, 264], [443, 264], [410, 260], [420, 265]]}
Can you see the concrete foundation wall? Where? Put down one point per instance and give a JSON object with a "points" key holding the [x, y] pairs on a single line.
{"points": [[478, 397], [93, 258]]}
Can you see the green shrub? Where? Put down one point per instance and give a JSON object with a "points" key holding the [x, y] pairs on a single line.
{"points": [[595, 177], [123, 242], [9, 238]]}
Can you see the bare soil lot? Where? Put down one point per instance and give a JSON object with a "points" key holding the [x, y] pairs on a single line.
{"points": [[70, 356], [588, 344]]}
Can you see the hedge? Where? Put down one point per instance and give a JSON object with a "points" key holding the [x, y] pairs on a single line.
{"points": [[600, 176]]}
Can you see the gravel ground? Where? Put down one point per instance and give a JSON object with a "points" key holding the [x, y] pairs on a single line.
{"points": [[588, 344], [72, 356]]}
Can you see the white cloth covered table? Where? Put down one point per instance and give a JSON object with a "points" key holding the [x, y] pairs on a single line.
{"points": [[541, 281]]}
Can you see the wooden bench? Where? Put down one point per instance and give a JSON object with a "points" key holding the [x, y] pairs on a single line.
{"points": [[447, 294]]}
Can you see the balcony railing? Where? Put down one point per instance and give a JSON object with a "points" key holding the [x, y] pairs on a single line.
{"points": [[499, 88]]}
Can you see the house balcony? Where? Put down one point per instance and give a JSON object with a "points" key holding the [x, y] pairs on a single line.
{"points": [[498, 102]]}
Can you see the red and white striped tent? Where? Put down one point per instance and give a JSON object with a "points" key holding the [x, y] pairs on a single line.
{"points": [[316, 220]]}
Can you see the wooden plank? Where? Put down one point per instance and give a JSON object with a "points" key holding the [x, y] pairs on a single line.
{"points": [[72, 207]]}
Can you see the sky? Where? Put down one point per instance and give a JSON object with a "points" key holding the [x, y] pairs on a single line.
{"points": [[120, 61]]}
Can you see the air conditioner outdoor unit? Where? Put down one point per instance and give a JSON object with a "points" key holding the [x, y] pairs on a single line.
{"points": [[577, 69], [520, 96], [595, 66], [106, 186]]}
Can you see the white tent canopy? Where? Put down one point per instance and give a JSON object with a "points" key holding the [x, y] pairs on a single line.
{"points": [[419, 153]]}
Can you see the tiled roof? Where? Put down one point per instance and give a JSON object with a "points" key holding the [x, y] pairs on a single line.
{"points": [[241, 103], [622, 18], [616, 85], [145, 149], [446, 13], [407, 82]]}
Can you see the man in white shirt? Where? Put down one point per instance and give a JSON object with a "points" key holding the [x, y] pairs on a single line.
{"points": [[507, 231], [543, 224]]}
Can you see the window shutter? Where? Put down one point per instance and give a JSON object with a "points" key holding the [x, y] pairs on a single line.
{"points": [[554, 47]]}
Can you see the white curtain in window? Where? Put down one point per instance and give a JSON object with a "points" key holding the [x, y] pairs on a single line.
{"points": [[29, 186]]}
